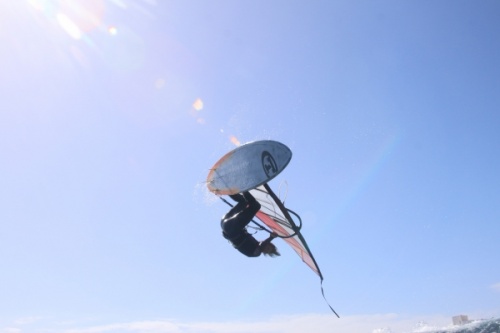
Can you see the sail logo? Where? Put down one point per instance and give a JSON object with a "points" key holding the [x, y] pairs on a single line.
{"points": [[269, 164]]}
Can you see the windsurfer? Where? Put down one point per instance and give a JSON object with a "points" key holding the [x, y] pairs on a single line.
{"points": [[234, 224]]}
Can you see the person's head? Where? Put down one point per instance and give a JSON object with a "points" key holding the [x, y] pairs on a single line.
{"points": [[270, 249]]}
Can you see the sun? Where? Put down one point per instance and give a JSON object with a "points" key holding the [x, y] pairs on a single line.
{"points": [[34, 32], [75, 17]]}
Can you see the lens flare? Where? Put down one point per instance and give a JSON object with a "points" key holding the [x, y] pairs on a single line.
{"points": [[198, 104], [38, 4], [87, 15], [80, 31], [69, 26], [160, 83], [196, 107], [235, 140], [112, 31]]}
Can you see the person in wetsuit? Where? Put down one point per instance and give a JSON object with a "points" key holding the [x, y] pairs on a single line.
{"points": [[234, 224]]}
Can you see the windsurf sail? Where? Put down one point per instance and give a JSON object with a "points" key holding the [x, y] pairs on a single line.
{"points": [[278, 219], [250, 167]]}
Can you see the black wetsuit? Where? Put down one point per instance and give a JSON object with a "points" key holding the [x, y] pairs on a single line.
{"points": [[234, 224]]}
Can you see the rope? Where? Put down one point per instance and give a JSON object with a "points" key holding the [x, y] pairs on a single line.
{"points": [[323, 293]]}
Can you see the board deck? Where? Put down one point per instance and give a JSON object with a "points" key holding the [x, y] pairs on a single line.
{"points": [[248, 166]]}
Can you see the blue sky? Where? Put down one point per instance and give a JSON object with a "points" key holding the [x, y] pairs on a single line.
{"points": [[113, 112]]}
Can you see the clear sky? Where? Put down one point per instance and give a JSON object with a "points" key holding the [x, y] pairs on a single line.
{"points": [[113, 111]]}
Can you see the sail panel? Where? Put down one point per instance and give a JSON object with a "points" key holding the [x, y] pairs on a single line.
{"points": [[275, 216]]}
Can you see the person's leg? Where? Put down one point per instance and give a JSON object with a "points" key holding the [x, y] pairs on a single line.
{"points": [[245, 216], [248, 196], [241, 214], [253, 203], [242, 200], [240, 206], [238, 197]]}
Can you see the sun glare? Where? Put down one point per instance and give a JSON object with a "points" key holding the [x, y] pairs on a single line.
{"points": [[235, 140], [78, 27], [112, 31], [85, 15], [69, 26], [198, 105], [195, 111]]}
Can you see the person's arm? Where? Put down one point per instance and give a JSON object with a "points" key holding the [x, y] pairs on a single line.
{"points": [[268, 240]]}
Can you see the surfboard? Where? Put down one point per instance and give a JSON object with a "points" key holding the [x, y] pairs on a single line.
{"points": [[248, 166]]}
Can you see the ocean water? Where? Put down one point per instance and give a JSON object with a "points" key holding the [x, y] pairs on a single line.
{"points": [[476, 326]]}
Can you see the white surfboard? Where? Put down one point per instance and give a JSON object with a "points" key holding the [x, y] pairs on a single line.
{"points": [[248, 166]]}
